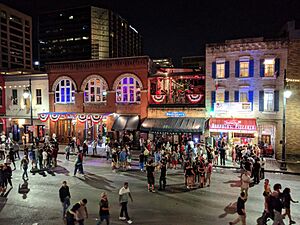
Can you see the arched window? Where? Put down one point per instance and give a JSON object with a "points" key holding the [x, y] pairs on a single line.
{"points": [[65, 91], [128, 90], [95, 90]]}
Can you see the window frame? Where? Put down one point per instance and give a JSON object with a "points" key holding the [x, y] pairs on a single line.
{"points": [[38, 97], [220, 72], [267, 92], [244, 69], [220, 91], [269, 67], [103, 87], [133, 89], [60, 86]]}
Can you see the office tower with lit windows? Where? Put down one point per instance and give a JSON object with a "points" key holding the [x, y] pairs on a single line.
{"points": [[86, 32], [15, 37]]}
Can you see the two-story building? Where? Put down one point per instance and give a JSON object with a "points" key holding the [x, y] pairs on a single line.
{"points": [[244, 91], [176, 110], [26, 96], [94, 98]]}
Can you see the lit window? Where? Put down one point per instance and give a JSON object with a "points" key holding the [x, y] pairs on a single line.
{"points": [[128, 90], [95, 90], [220, 73], [38, 96], [220, 96], [269, 100], [269, 67], [244, 96], [244, 69], [65, 91]]}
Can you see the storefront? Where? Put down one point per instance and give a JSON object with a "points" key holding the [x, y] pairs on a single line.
{"points": [[174, 130], [267, 138], [234, 131]]}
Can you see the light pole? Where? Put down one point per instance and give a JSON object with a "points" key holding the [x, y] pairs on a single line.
{"points": [[286, 94], [28, 94]]}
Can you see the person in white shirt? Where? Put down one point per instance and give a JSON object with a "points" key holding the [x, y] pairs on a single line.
{"points": [[45, 157], [245, 182], [82, 212], [124, 195]]}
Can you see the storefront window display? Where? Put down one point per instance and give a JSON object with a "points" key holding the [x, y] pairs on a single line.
{"points": [[267, 139]]}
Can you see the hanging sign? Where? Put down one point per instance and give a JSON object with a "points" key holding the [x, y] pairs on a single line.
{"points": [[175, 114]]}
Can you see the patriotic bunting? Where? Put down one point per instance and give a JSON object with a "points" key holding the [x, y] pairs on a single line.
{"points": [[194, 98], [96, 118], [54, 117], [82, 117], [158, 98], [43, 117]]}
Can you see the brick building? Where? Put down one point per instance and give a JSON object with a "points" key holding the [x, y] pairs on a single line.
{"points": [[91, 98], [244, 91]]}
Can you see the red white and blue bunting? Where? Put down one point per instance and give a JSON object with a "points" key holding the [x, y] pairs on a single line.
{"points": [[43, 117], [82, 117], [194, 98], [96, 118], [158, 98], [54, 117]]}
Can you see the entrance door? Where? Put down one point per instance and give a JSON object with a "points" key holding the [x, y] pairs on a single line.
{"points": [[64, 130]]}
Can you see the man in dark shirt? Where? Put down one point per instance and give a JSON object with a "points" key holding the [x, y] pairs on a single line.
{"points": [[104, 209], [64, 195], [150, 175], [256, 171], [163, 173], [240, 208]]}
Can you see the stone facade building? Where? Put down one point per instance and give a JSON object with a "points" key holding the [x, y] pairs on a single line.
{"points": [[244, 79]]}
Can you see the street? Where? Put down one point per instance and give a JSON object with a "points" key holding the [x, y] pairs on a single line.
{"points": [[175, 206]]}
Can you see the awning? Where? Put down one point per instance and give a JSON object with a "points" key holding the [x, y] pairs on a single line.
{"points": [[232, 124], [126, 123], [176, 125]]}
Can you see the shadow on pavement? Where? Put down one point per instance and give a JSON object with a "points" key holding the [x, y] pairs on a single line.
{"points": [[98, 182], [233, 183], [23, 189], [60, 170], [229, 209]]}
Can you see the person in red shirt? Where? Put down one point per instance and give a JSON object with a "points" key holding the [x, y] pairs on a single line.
{"points": [[209, 172]]}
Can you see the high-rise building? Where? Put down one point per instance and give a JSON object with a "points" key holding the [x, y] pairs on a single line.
{"points": [[15, 36], [86, 32]]}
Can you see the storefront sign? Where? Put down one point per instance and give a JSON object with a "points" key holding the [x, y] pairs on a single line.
{"points": [[228, 124], [175, 114], [223, 107]]}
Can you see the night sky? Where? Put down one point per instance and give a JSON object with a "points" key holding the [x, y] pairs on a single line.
{"points": [[182, 27]]}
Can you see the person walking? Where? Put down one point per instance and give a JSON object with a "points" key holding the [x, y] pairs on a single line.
{"points": [[78, 164], [24, 165], [222, 154], [256, 171], [7, 175], [141, 161], [67, 152], [275, 205], [45, 158], [124, 194], [82, 212], [12, 157], [64, 196], [245, 179], [287, 199], [103, 209], [240, 208], [162, 178], [209, 172], [71, 214]]}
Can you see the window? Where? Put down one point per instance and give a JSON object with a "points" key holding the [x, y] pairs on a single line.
{"points": [[38, 93], [244, 96], [95, 90], [269, 100], [65, 91], [244, 68], [14, 96], [220, 70], [269, 67], [128, 90], [220, 96]]}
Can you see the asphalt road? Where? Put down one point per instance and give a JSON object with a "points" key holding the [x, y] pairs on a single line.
{"points": [[175, 206]]}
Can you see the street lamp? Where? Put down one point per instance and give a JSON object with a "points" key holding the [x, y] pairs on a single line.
{"points": [[27, 94], [286, 94]]}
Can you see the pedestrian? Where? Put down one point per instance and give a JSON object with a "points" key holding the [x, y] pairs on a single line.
{"points": [[124, 194], [150, 175], [82, 212], [64, 195], [222, 154], [71, 214], [245, 179], [262, 167], [24, 165], [162, 178], [201, 171], [275, 205], [256, 171], [107, 150], [141, 161], [7, 171], [12, 157], [67, 152], [190, 175], [94, 147], [2, 180], [240, 208], [78, 164], [209, 172], [287, 199], [103, 209], [45, 158], [16, 149]]}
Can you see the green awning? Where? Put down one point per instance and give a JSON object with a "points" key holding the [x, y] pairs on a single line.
{"points": [[175, 125]]}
